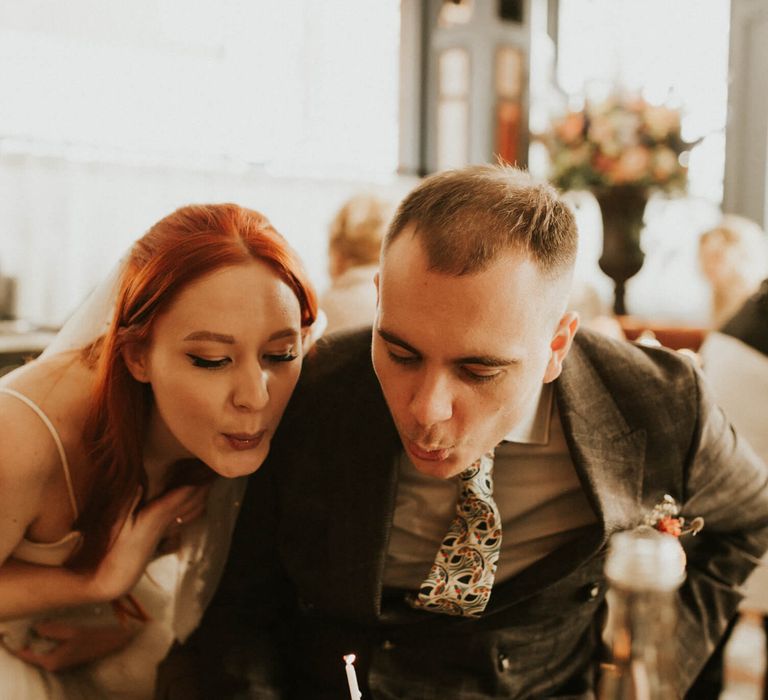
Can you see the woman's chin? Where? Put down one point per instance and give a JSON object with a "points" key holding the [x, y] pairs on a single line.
{"points": [[242, 466]]}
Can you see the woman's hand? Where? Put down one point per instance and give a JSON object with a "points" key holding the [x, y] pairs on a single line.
{"points": [[135, 539], [73, 645]]}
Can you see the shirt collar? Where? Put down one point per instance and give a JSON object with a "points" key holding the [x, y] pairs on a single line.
{"points": [[533, 429]]}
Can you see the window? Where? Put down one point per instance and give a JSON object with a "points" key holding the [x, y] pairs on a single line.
{"points": [[300, 87], [675, 52]]}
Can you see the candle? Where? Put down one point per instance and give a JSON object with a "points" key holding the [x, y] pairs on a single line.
{"points": [[354, 690]]}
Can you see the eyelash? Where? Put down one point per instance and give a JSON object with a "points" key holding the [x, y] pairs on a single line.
{"points": [[400, 360], [207, 364], [468, 374], [479, 378], [284, 357], [203, 363]]}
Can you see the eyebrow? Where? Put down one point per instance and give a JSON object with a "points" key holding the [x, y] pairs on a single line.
{"points": [[285, 333], [230, 340], [484, 360], [210, 335]]}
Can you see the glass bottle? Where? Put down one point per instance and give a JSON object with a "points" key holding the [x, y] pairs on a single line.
{"points": [[744, 659], [644, 569]]}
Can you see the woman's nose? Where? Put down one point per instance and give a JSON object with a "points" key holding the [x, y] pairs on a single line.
{"points": [[250, 391]]}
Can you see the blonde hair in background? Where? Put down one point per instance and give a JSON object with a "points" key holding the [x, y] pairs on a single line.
{"points": [[356, 232], [734, 259]]}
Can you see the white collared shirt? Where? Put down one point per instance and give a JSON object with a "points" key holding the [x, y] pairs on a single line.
{"points": [[536, 488]]}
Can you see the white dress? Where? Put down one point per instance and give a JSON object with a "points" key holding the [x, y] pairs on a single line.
{"points": [[174, 591]]}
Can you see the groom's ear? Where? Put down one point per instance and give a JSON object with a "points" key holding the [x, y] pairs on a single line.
{"points": [[135, 358]]}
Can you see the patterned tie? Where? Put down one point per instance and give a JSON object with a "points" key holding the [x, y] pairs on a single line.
{"points": [[461, 578]]}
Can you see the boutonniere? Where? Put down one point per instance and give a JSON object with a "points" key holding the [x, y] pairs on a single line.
{"points": [[665, 517]]}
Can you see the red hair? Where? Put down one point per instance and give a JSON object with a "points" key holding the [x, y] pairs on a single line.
{"points": [[181, 248]]}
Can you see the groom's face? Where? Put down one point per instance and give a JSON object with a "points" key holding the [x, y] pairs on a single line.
{"points": [[461, 359]]}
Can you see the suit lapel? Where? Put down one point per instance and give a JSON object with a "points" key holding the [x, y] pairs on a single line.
{"points": [[607, 453], [362, 504], [608, 456]]}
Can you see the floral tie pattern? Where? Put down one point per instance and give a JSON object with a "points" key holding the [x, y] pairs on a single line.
{"points": [[461, 578]]}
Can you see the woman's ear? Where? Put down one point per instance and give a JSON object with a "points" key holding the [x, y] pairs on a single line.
{"points": [[306, 339], [561, 344], [311, 334], [135, 358]]}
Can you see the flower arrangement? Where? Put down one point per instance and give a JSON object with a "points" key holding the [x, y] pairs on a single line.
{"points": [[665, 517], [618, 142]]}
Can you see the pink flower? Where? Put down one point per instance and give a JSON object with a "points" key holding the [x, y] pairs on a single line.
{"points": [[601, 131], [633, 165], [604, 164], [665, 163], [661, 121], [571, 128]]}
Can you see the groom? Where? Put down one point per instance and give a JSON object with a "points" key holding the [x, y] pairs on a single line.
{"points": [[479, 399]]}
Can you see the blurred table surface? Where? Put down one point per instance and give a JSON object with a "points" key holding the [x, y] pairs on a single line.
{"points": [[20, 341], [674, 336]]}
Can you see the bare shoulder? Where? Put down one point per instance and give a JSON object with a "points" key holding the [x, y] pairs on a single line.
{"points": [[30, 465], [60, 387], [28, 458]]}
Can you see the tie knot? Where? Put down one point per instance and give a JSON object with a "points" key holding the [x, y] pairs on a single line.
{"points": [[478, 476]]}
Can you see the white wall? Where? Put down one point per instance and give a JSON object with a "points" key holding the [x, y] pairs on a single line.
{"points": [[64, 222], [114, 113]]}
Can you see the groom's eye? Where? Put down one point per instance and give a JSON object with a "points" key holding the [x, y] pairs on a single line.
{"points": [[480, 374], [402, 359], [205, 363]]}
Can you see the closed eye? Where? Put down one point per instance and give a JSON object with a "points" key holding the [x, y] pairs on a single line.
{"points": [[205, 363], [402, 359], [289, 356], [481, 375]]}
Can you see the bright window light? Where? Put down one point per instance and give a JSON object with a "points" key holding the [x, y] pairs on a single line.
{"points": [[300, 87], [673, 52]]}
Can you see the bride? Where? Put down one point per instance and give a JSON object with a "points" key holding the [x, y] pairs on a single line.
{"points": [[114, 521]]}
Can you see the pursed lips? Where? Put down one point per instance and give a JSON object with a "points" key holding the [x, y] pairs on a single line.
{"points": [[244, 441], [431, 455], [427, 445]]}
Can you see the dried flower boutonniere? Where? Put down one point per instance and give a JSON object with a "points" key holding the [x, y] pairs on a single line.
{"points": [[665, 517]]}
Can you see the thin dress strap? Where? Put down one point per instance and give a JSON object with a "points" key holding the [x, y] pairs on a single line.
{"points": [[56, 439]]}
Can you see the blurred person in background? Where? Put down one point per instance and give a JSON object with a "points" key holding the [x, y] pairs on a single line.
{"points": [[735, 361], [353, 257], [734, 259]]}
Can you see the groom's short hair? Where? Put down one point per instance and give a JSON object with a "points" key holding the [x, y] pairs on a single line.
{"points": [[466, 218]]}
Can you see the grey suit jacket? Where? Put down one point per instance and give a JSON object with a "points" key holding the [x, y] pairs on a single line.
{"points": [[304, 582]]}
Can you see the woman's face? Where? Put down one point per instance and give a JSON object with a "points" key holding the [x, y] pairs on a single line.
{"points": [[719, 258], [222, 362]]}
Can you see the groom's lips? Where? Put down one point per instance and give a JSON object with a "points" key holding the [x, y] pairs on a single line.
{"points": [[438, 455]]}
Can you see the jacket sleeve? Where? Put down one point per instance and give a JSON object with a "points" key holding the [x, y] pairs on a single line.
{"points": [[233, 652], [726, 484]]}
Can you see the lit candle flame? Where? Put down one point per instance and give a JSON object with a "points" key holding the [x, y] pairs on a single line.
{"points": [[350, 658]]}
